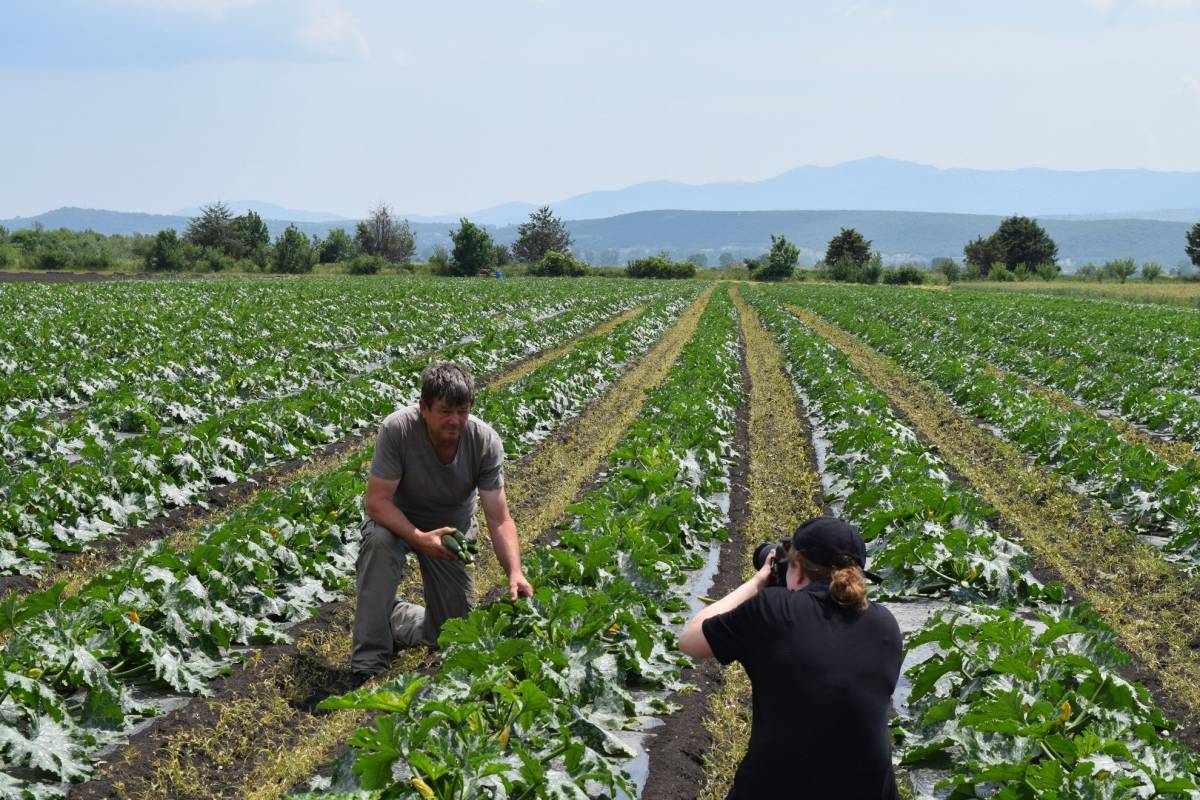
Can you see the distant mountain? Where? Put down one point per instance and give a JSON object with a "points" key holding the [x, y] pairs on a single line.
{"points": [[267, 211], [898, 235], [883, 184], [127, 223]]}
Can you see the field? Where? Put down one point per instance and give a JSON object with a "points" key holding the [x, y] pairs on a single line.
{"points": [[1166, 291], [182, 481]]}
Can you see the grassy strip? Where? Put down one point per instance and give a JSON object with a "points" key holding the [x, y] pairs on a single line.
{"points": [[785, 490], [1176, 453], [519, 370], [1154, 610], [539, 490]]}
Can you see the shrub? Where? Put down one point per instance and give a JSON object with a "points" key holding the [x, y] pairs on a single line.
{"points": [[439, 261], [660, 267], [554, 263], [1048, 271], [1001, 274], [904, 275], [948, 267], [51, 258], [365, 265], [474, 251], [780, 261], [338, 246], [293, 252], [1120, 268], [209, 259], [1151, 271]]}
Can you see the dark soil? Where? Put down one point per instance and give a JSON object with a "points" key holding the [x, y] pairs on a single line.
{"points": [[220, 498], [71, 277], [134, 764], [677, 748]]}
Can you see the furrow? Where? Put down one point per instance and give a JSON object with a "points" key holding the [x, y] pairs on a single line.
{"points": [[784, 489], [1154, 609]]}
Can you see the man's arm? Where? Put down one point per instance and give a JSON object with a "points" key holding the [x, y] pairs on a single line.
{"points": [[504, 540], [382, 508], [692, 641]]}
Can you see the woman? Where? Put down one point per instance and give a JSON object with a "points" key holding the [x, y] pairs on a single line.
{"points": [[823, 662]]}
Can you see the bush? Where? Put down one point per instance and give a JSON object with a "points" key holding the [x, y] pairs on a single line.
{"points": [[474, 251], [660, 267], [51, 258], [1120, 268], [338, 246], [8, 256], [948, 267], [1001, 274], [209, 259], [780, 261], [555, 263], [293, 252], [439, 261], [365, 265], [1151, 271], [1047, 271], [903, 276], [93, 260]]}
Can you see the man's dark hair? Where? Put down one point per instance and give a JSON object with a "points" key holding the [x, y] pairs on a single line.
{"points": [[449, 382]]}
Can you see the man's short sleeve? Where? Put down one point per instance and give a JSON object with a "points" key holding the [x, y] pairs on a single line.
{"points": [[738, 634], [491, 465], [388, 461]]}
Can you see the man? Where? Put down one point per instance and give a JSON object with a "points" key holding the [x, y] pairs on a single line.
{"points": [[430, 460]]}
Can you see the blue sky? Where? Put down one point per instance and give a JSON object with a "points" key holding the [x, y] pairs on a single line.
{"points": [[333, 105]]}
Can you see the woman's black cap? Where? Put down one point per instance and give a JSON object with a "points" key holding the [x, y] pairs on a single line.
{"points": [[822, 538]]}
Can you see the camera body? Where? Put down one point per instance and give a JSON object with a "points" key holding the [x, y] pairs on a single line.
{"points": [[779, 568]]}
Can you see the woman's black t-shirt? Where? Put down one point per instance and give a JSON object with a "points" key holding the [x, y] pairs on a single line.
{"points": [[823, 678]]}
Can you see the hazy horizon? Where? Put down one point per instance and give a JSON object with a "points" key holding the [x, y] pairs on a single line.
{"points": [[333, 105]]}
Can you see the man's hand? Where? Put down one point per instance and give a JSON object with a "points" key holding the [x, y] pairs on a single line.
{"points": [[430, 543], [518, 586]]}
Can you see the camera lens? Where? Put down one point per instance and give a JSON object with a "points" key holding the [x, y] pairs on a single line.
{"points": [[762, 553]]}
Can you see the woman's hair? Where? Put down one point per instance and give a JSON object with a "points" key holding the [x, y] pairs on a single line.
{"points": [[847, 584]]}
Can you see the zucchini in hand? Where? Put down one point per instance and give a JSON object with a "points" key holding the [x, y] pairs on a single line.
{"points": [[458, 543]]}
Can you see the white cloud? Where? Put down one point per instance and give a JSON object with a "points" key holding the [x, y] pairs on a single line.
{"points": [[331, 31]]}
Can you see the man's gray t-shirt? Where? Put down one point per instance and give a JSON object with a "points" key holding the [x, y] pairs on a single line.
{"points": [[432, 494]]}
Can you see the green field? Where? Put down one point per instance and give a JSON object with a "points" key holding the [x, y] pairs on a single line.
{"points": [[182, 482]]}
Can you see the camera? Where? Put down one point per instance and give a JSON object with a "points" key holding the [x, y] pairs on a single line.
{"points": [[780, 567]]}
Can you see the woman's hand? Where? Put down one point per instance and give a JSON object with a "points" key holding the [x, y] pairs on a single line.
{"points": [[762, 578]]}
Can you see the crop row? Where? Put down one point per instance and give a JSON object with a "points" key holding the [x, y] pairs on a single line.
{"points": [[61, 505], [1021, 695], [1088, 350], [70, 348], [173, 403], [528, 696], [167, 618], [1144, 491]]}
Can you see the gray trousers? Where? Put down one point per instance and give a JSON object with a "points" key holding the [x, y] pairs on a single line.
{"points": [[381, 623]]}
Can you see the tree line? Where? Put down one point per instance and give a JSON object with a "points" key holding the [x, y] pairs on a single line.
{"points": [[216, 240]]}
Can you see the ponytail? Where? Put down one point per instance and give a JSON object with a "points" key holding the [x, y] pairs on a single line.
{"points": [[847, 583]]}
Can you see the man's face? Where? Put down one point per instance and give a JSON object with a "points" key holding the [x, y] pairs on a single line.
{"points": [[445, 422]]}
